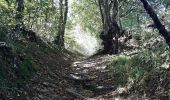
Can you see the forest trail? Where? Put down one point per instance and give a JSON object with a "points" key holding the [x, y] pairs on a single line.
{"points": [[83, 79], [90, 77]]}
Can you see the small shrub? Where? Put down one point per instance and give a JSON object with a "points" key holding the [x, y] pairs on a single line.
{"points": [[120, 69]]}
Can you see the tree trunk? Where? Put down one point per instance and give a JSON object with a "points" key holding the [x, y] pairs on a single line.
{"points": [[158, 24], [62, 22], [109, 14], [59, 38], [19, 14]]}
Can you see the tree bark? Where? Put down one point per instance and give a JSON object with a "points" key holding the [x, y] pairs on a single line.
{"points": [[19, 14], [59, 37], [62, 22], [158, 24], [109, 14]]}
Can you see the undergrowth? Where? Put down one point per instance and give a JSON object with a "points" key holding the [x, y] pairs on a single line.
{"points": [[13, 79], [133, 67], [21, 62], [27, 68], [17, 66]]}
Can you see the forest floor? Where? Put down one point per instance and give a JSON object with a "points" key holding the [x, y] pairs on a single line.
{"points": [[86, 79], [83, 79], [64, 79]]}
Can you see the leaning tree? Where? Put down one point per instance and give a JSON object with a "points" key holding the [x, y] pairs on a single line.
{"points": [[161, 28]]}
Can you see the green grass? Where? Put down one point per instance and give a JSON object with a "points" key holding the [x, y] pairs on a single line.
{"points": [[120, 65]]}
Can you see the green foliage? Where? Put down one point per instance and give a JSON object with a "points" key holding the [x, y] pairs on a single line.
{"points": [[42, 17], [124, 67], [142, 63], [88, 15], [120, 66]]}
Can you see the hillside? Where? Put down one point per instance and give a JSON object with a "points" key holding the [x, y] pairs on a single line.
{"points": [[31, 62]]}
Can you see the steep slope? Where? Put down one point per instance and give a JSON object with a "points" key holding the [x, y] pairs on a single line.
{"points": [[25, 65]]}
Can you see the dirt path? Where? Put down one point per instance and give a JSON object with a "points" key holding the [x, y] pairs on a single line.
{"points": [[90, 78], [84, 79]]}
